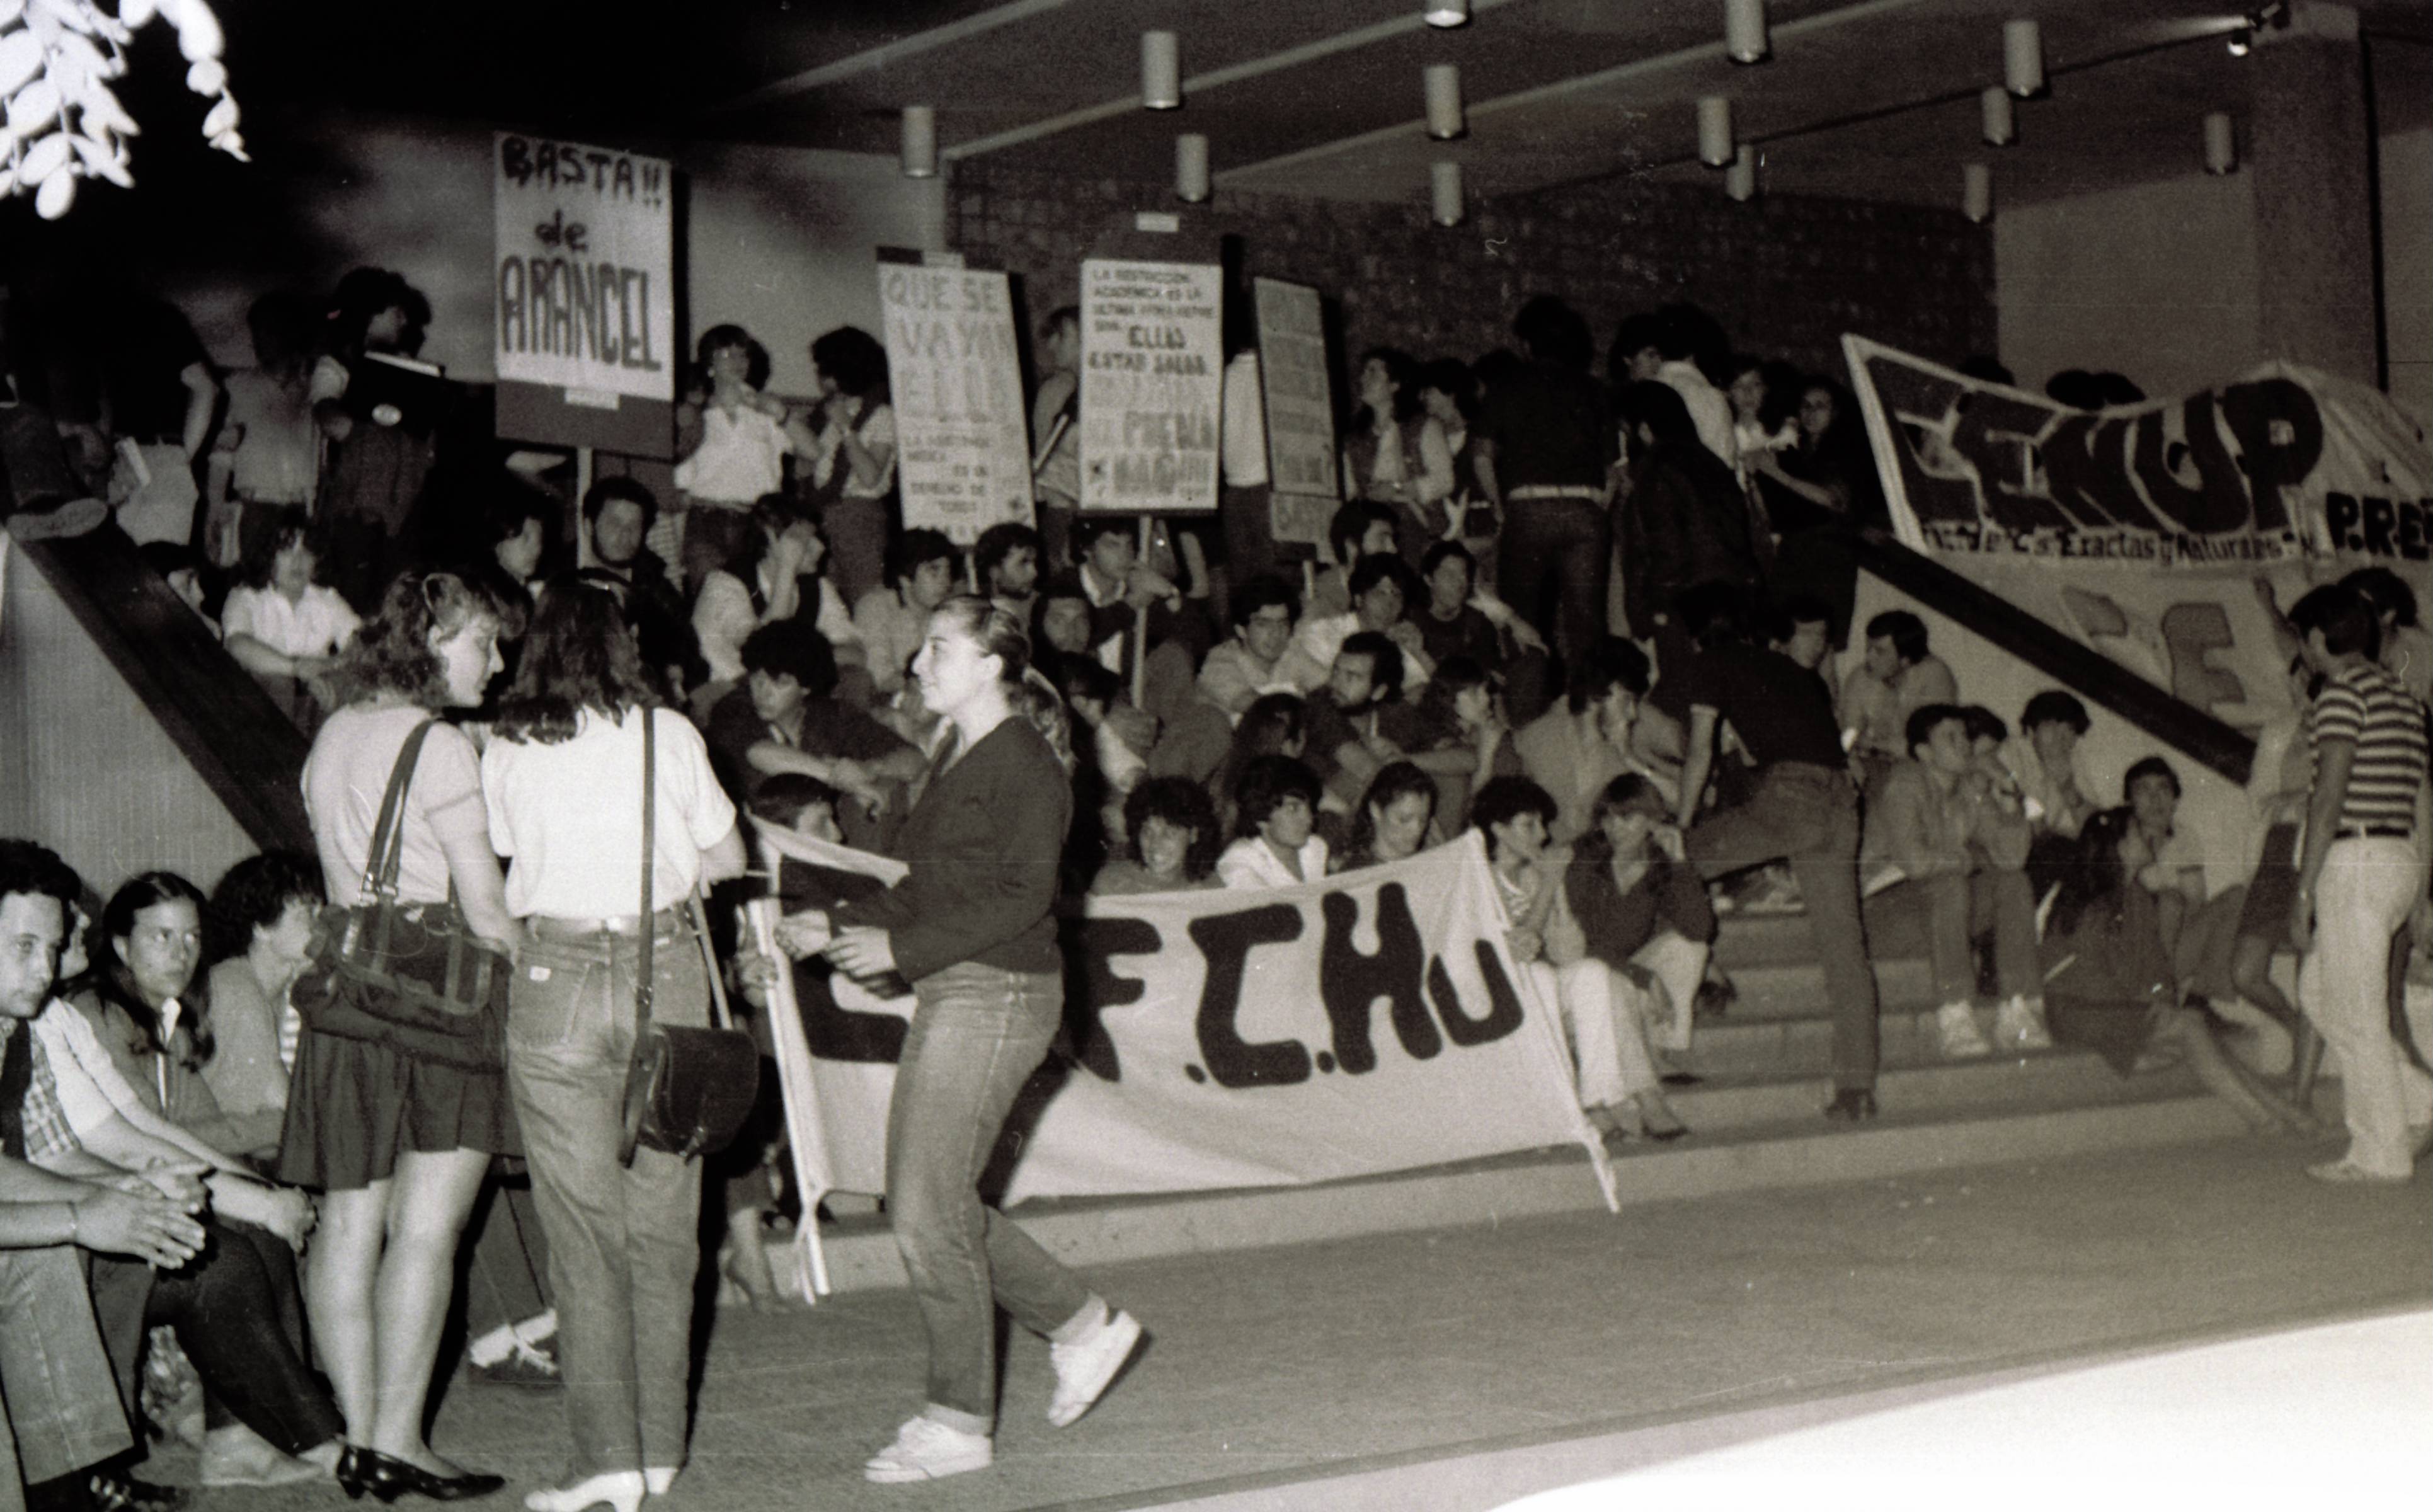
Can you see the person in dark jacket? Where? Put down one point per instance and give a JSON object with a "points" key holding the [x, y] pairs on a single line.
{"points": [[971, 927], [1684, 520]]}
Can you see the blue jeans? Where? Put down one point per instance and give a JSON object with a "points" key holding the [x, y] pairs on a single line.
{"points": [[623, 1241], [975, 1038], [62, 1399], [1808, 816], [1551, 569]]}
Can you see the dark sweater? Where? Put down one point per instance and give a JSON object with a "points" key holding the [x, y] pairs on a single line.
{"points": [[982, 844], [1617, 924]]}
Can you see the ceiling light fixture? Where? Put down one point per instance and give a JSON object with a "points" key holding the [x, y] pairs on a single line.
{"points": [[2000, 126], [1191, 167], [2242, 42], [1445, 12], [1739, 179], [1744, 36], [2023, 58], [1445, 119], [1715, 131], [1977, 192], [1161, 70], [2220, 145], [1444, 192], [920, 144]]}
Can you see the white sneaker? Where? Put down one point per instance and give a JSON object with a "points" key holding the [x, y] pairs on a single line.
{"points": [[1956, 1023], [2019, 1024], [928, 1450], [1085, 1366]]}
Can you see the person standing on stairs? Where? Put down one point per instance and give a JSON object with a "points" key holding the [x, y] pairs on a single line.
{"points": [[1804, 810]]}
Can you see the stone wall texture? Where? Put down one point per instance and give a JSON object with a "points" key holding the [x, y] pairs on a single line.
{"points": [[1786, 276]]}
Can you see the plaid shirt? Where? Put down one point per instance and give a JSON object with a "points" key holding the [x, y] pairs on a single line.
{"points": [[48, 1134]]}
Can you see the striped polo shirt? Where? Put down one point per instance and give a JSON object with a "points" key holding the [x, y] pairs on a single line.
{"points": [[2367, 706]]}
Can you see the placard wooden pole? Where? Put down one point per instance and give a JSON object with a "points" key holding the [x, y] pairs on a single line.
{"points": [[1140, 642], [582, 486], [803, 1132]]}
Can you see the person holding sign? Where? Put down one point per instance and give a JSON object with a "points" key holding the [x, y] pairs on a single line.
{"points": [[970, 927]]}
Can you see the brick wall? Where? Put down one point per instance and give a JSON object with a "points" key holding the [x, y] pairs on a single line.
{"points": [[1786, 276]]}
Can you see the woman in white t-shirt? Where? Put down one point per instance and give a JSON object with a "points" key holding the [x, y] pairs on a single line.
{"points": [[735, 444], [563, 780], [282, 625], [399, 1143]]}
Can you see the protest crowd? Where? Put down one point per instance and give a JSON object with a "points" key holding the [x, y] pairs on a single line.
{"points": [[1589, 611]]}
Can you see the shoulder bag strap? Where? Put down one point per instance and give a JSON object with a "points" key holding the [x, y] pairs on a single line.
{"points": [[642, 978], [387, 853]]}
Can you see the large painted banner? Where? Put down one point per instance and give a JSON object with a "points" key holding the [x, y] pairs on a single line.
{"points": [[2286, 463], [1370, 1022], [585, 300], [962, 451], [1152, 384]]}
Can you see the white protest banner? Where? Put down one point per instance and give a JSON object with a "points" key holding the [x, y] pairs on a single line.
{"points": [[962, 452], [1370, 1022], [586, 274], [1303, 475], [1153, 382], [2285, 462]]}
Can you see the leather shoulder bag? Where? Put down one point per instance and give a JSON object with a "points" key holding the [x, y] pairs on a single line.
{"points": [[689, 1089], [412, 976]]}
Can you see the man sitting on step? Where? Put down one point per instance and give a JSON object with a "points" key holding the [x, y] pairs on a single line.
{"points": [[1963, 841]]}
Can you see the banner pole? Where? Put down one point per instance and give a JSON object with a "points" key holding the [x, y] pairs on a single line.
{"points": [[1140, 636], [801, 1097]]}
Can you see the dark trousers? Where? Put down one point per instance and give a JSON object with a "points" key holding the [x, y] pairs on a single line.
{"points": [[1808, 816], [1552, 569], [240, 1320]]}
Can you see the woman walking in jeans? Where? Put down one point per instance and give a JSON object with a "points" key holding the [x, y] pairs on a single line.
{"points": [[969, 927], [563, 780]]}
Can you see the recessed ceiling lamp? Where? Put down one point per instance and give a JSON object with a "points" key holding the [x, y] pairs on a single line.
{"points": [[2242, 42], [2000, 126], [1191, 167], [2220, 145], [1445, 120], [1744, 38], [1444, 192], [1445, 12], [2023, 58], [1739, 179], [1977, 192], [920, 145], [1715, 131], [1161, 70]]}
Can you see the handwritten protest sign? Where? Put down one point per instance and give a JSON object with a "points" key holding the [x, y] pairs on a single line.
{"points": [[1299, 408], [963, 457], [1152, 378], [586, 293]]}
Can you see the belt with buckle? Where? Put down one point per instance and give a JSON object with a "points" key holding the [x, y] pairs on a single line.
{"points": [[629, 925]]}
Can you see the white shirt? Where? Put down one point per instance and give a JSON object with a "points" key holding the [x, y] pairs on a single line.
{"points": [[569, 817], [741, 456], [1251, 862], [315, 625], [1321, 639], [1709, 408], [91, 1089]]}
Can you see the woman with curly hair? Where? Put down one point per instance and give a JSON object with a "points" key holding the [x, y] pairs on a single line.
{"points": [[563, 780], [1395, 816], [399, 1143], [1172, 838], [852, 456], [258, 933]]}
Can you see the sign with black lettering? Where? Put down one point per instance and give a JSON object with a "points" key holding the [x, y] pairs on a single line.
{"points": [[963, 454], [583, 333], [2286, 463], [1152, 384], [1370, 1022]]}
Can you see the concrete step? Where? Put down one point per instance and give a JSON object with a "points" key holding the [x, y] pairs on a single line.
{"points": [[1760, 1132], [1786, 1033]]}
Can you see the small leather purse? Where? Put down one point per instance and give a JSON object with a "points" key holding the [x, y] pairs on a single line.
{"points": [[689, 1089]]}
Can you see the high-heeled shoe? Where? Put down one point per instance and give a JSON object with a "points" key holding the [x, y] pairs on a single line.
{"points": [[386, 1477], [619, 1491]]}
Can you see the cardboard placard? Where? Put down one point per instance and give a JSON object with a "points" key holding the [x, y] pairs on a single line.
{"points": [[963, 451], [1152, 382]]}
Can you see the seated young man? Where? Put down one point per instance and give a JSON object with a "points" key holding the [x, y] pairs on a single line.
{"points": [[1961, 842], [2176, 875], [1380, 595], [1801, 629], [1898, 677], [1261, 657], [1359, 530], [2043, 758], [786, 718], [1006, 558], [1359, 721], [1575, 748]]}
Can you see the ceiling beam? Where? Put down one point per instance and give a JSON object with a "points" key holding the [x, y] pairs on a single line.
{"points": [[1309, 52], [873, 59], [1639, 68]]}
